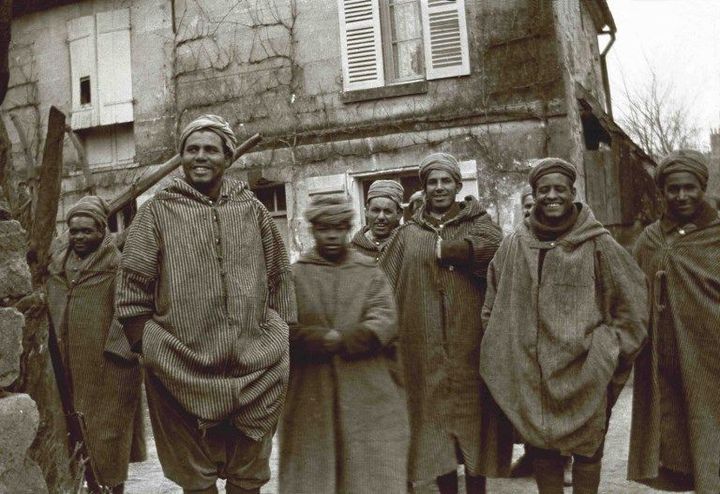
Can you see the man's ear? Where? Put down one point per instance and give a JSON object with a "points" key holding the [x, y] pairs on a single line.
{"points": [[574, 192]]}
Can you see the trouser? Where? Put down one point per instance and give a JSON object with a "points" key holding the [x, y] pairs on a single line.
{"points": [[194, 459]]}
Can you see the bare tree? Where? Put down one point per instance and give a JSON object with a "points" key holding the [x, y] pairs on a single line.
{"points": [[658, 117]]}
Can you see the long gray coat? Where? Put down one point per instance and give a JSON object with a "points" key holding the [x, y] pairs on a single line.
{"points": [[344, 428], [440, 333], [571, 334]]}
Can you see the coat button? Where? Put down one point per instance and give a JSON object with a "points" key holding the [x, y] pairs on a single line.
{"points": [[681, 231], [552, 244], [451, 268]]}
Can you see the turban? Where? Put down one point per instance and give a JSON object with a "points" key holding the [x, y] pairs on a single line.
{"points": [[386, 188], [93, 206], [546, 166], [439, 161], [213, 123], [329, 209], [683, 160], [527, 191]]}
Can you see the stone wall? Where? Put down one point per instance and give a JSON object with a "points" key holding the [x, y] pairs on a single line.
{"points": [[19, 415]]}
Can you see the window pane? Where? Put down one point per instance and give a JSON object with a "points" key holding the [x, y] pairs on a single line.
{"points": [[266, 197], [406, 40]]}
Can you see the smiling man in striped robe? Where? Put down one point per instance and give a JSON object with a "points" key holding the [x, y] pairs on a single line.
{"points": [[205, 293]]}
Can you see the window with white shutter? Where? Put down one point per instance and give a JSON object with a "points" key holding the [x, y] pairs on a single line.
{"points": [[361, 46], [389, 42], [445, 38], [114, 67], [100, 69]]}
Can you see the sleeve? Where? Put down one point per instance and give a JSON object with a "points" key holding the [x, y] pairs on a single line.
{"points": [[138, 275], [624, 298], [378, 327], [281, 290], [308, 340], [484, 238], [494, 272], [391, 258]]}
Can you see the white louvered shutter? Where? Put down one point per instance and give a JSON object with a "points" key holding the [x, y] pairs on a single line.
{"points": [[114, 67], [361, 45], [81, 40], [445, 38]]}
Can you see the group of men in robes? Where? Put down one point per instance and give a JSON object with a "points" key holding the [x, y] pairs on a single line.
{"points": [[387, 359]]}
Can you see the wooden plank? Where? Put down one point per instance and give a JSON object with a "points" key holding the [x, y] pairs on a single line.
{"points": [[48, 193]]}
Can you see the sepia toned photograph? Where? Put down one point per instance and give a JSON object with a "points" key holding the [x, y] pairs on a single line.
{"points": [[359, 246]]}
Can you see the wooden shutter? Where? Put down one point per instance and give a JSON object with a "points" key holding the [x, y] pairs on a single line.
{"points": [[81, 39], [114, 67], [468, 172], [361, 44], [445, 38]]}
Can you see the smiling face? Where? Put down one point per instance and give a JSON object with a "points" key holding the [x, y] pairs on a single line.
{"points": [[331, 240], [440, 191], [383, 216], [683, 194], [85, 235], [204, 160], [554, 195]]}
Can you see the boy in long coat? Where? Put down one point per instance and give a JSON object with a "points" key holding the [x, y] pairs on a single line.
{"points": [[675, 438], [437, 265], [344, 427], [104, 374], [567, 305], [204, 293]]}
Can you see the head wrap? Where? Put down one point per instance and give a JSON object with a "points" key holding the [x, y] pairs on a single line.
{"points": [[93, 206], [545, 166], [386, 188], [683, 160], [527, 191], [329, 209], [213, 123], [439, 161]]}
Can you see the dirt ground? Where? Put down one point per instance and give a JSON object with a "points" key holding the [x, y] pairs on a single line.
{"points": [[147, 477]]}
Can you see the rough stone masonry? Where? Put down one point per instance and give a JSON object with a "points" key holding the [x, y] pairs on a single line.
{"points": [[19, 416]]}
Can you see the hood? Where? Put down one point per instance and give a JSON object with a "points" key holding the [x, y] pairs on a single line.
{"points": [[470, 209], [100, 260], [233, 189], [586, 227], [353, 258]]}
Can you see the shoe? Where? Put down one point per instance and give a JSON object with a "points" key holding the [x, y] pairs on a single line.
{"points": [[523, 467], [567, 473]]}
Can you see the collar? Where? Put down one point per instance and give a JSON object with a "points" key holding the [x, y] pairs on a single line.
{"points": [[451, 213], [547, 232]]}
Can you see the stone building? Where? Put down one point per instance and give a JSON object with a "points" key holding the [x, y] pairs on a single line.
{"points": [[713, 189], [343, 92]]}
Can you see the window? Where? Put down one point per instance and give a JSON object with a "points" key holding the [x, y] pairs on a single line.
{"points": [[100, 69], [386, 42], [273, 198], [109, 145]]}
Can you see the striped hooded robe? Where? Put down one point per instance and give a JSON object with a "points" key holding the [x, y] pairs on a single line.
{"points": [[676, 397], [439, 341], [215, 279], [104, 374]]}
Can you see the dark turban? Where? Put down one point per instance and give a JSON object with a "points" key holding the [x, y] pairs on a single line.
{"points": [[213, 123], [439, 161], [545, 166], [93, 206], [329, 209], [683, 160], [386, 188]]}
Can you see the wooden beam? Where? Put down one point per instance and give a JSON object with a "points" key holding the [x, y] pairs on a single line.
{"points": [[48, 193]]}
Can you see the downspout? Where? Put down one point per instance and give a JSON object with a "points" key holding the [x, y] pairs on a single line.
{"points": [[603, 68]]}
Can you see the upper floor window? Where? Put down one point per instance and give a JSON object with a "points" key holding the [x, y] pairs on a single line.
{"points": [[394, 41], [100, 69]]}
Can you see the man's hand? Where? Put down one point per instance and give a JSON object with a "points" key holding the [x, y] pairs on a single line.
{"points": [[332, 341]]}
